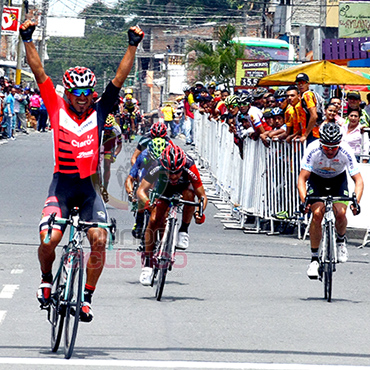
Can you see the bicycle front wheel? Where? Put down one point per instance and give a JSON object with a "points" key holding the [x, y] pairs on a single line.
{"points": [[328, 261], [73, 302], [57, 313], [165, 258]]}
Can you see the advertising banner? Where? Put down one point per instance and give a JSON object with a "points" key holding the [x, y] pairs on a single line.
{"points": [[354, 19], [10, 21], [248, 72]]}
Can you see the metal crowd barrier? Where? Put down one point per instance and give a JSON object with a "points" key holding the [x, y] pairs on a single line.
{"points": [[263, 184]]}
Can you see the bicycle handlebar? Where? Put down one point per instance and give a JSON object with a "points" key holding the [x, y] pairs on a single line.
{"points": [[176, 200], [327, 198], [53, 219]]}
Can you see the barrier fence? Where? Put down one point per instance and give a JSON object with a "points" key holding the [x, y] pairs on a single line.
{"points": [[264, 183]]}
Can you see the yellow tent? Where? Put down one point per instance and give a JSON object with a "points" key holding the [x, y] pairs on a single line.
{"points": [[321, 73]]}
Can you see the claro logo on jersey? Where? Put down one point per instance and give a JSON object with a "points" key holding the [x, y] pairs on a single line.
{"points": [[81, 144], [90, 153]]}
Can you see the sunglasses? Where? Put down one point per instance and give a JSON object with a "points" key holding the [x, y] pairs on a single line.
{"points": [[79, 92], [232, 106], [330, 147], [280, 100]]}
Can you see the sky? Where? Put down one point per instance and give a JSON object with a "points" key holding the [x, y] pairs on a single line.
{"points": [[71, 8]]}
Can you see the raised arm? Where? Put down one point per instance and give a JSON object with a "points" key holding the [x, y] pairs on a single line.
{"points": [[135, 35], [33, 59]]}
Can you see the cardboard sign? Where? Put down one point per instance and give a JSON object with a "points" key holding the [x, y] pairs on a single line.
{"points": [[10, 21]]}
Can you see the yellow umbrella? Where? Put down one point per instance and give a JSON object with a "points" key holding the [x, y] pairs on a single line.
{"points": [[321, 73]]}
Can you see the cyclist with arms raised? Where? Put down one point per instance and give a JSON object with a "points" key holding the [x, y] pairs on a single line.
{"points": [[77, 126], [174, 173], [324, 167]]}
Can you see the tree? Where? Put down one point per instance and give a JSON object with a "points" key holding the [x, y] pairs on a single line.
{"points": [[101, 49], [216, 62]]}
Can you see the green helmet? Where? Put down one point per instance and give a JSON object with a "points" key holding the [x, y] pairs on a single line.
{"points": [[231, 100], [156, 147]]}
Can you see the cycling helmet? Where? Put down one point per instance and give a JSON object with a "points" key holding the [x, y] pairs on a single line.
{"points": [[245, 98], [330, 134], [268, 113], [109, 122], [280, 93], [128, 97], [78, 77], [156, 147], [277, 112], [173, 159], [158, 129], [231, 99], [186, 88], [129, 91], [259, 92]]}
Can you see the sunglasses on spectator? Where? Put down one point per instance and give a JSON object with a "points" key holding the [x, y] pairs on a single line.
{"points": [[279, 100], [232, 106], [330, 147], [79, 92]]}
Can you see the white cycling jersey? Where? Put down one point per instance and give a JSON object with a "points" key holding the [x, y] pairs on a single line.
{"points": [[314, 160]]}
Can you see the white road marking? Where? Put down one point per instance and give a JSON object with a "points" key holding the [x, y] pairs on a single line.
{"points": [[16, 271], [175, 364], [8, 290], [2, 316]]}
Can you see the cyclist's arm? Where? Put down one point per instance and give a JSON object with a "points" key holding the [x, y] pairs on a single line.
{"points": [[359, 186], [302, 179], [200, 192], [311, 123], [127, 62], [134, 156], [33, 58], [142, 193], [129, 184]]}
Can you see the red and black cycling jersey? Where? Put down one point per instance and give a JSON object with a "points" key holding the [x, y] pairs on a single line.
{"points": [[77, 138], [158, 175]]}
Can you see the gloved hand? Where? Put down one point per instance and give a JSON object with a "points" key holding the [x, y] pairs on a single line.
{"points": [[199, 220], [26, 30], [135, 35]]}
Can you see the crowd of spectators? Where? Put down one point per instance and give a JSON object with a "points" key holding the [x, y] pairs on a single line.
{"points": [[21, 110], [284, 114]]}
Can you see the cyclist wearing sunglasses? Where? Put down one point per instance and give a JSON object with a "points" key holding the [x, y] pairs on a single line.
{"points": [[173, 173], [324, 168], [77, 126]]}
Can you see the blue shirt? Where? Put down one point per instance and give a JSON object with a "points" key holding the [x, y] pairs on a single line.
{"points": [[9, 100], [140, 168]]}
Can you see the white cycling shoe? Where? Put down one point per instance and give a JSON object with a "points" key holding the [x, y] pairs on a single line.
{"points": [[146, 276], [313, 270], [342, 252], [183, 241]]}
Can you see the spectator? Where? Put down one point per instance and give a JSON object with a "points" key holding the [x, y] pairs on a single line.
{"points": [[293, 116], [354, 100], [331, 114], [20, 104], [280, 97], [353, 136], [43, 117], [212, 88], [337, 102], [179, 114], [2, 128], [309, 103], [367, 108], [278, 125], [35, 102], [189, 106], [258, 98], [168, 115], [271, 102], [220, 109], [9, 116]]}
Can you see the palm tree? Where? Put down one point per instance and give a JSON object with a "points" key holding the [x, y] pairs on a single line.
{"points": [[216, 61]]}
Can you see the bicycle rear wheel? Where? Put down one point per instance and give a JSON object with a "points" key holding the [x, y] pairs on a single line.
{"points": [[328, 262], [57, 313], [73, 303]]}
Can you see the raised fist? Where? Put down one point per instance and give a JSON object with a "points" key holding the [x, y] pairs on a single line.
{"points": [[135, 35]]}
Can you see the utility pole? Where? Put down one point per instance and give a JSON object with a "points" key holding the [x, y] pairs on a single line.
{"points": [[18, 71], [1, 22], [43, 23]]}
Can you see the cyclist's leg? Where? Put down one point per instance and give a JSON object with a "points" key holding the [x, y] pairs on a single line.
{"points": [[187, 214], [340, 209]]}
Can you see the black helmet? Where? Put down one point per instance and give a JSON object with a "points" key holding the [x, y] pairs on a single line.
{"points": [[276, 111], [259, 92], [245, 98], [330, 134], [280, 93]]}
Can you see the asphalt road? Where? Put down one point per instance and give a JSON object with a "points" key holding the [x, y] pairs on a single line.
{"points": [[234, 300]]}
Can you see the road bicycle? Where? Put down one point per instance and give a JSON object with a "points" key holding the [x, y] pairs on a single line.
{"points": [[164, 256], [328, 251], [68, 284]]}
